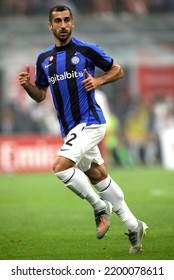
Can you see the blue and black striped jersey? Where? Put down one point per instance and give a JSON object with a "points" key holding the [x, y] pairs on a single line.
{"points": [[62, 68]]}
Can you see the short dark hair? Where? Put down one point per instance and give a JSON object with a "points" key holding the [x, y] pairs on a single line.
{"points": [[59, 8]]}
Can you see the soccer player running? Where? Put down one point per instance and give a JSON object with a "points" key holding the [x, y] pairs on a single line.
{"points": [[67, 67]]}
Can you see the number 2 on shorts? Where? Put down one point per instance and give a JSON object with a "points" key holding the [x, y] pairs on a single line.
{"points": [[73, 136]]}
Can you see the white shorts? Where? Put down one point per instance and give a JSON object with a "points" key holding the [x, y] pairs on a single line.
{"points": [[80, 145]]}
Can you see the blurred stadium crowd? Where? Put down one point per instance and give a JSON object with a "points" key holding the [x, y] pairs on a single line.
{"points": [[134, 124], [96, 7]]}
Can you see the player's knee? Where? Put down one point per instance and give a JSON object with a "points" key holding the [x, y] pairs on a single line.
{"points": [[96, 180], [97, 176], [61, 164], [56, 166]]}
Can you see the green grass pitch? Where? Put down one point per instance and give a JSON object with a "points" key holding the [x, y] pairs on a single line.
{"points": [[40, 219]]}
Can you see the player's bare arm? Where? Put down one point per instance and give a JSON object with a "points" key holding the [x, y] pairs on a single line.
{"points": [[35, 92], [114, 74]]}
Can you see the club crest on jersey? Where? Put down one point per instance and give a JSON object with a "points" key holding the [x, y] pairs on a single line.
{"points": [[75, 60], [51, 58]]}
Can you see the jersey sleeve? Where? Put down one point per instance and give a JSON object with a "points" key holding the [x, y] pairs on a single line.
{"points": [[40, 77], [103, 61], [99, 58]]}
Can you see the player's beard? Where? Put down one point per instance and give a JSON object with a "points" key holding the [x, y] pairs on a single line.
{"points": [[63, 35]]}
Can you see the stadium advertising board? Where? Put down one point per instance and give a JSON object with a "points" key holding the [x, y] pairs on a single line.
{"points": [[155, 80], [29, 153]]}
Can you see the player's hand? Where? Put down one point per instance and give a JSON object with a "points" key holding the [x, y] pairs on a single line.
{"points": [[24, 77], [90, 83]]}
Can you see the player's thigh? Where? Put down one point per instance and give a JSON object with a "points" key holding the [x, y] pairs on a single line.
{"points": [[92, 136], [91, 156], [91, 153], [81, 141]]}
